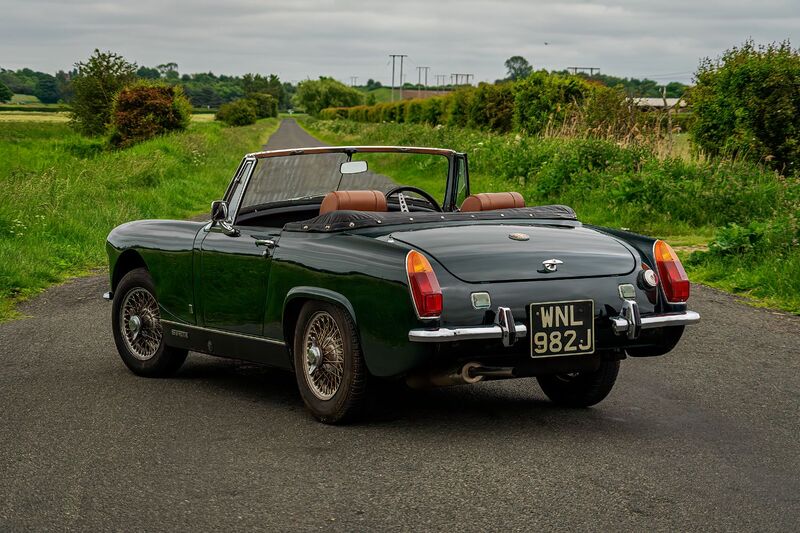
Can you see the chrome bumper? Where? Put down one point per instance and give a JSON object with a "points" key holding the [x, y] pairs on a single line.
{"points": [[108, 296], [629, 323], [502, 329]]}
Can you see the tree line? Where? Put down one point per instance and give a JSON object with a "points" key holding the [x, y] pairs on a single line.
{"points": [[204, 89]]}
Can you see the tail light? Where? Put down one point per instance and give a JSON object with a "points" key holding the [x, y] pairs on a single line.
{"points": [[670, 270], [425, 290]]}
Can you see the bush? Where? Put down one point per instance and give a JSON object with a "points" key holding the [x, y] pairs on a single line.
{"points": [[543, 99], [265, 105], [145, 110], [98, 81], [747, 103], [237, 113], [315, 95]]}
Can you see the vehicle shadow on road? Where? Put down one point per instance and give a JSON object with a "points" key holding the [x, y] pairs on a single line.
{"points": [[496, 403]]}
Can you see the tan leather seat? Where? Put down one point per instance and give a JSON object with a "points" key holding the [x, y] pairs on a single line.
{"points": [[353, 201], [486, 201]]}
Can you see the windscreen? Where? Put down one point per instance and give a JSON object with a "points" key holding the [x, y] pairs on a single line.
{"points": [[297, 177]]}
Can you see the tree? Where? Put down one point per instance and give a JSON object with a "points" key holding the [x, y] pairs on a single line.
{"points": [[518, 68], [316, 95], [47, 90], [264, 104], [746, 103], [97, 82], [148, 73], [5, 93], [146, 109]]}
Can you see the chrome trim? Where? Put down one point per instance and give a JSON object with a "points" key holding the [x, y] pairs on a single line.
{"points": [[500, 330], [551, 265], [633, 319], [465, 333], [108, 295], [223, 332], [620, 324]]}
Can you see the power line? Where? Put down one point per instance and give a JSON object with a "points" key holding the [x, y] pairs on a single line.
{"points": [[419, 78]]}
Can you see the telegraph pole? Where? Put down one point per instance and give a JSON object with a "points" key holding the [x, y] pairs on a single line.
{"points": [[353, 81], [394, 57], [419, 78]]}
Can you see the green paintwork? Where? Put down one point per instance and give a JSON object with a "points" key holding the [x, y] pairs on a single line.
{"points": [[240, 298]]}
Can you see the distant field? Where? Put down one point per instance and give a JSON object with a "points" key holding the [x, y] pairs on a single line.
{"points": [[384, 94], [60, 193], [33, 116], [24, 99]]}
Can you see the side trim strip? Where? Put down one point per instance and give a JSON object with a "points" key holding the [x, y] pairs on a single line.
{"points": [[223, 332]]}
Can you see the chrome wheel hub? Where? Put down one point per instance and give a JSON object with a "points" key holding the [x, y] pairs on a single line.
{"points": [[323, 364], [140, 323]]}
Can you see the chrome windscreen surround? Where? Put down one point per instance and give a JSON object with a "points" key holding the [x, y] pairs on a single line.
{"points": [[500, 330]]}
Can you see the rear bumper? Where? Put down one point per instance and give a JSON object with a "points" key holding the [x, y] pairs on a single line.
{"points": [[629, 323]]}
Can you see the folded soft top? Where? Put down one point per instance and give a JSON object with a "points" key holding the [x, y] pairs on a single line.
{"points": [[346, 220]]}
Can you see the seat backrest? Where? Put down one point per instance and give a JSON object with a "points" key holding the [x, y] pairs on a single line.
{"points": [[353, 201], [487, 201]]}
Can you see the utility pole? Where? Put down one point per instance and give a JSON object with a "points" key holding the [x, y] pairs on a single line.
{"points": [[394, 57], [353, 81], [419, 78], [402, 56]]}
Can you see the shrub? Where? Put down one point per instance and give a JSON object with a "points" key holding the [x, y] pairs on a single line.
{"points": [[145, 110], [265, 105], [747, 103], [98, 81], [237, 113], [543, 99], [316, 95]]}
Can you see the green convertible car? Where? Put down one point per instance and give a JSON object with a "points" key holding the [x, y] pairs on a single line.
{"points": [[318, 261]]}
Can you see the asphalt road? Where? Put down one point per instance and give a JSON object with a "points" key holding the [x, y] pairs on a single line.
{"points": [[703, 438]]}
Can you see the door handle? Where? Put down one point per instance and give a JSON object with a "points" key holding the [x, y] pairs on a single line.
{"points": [[269, 243]]}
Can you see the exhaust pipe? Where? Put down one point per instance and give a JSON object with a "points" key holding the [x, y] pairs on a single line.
{"points": [[466, 375]]}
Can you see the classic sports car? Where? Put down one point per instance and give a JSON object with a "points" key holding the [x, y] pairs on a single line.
{"points": [[317, 261]]}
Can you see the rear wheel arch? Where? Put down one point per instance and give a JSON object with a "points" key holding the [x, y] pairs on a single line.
{"points": [[297, 298], [127, 261]]}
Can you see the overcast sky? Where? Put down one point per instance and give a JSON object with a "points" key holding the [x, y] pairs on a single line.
{"points": [[296, 39]]}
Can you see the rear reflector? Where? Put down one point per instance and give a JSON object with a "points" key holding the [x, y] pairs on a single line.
{"points": [[425, 290], [673, 277]]}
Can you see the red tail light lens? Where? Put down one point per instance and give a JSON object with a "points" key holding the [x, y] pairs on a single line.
{"points": [[673, 277], [425, 290]]}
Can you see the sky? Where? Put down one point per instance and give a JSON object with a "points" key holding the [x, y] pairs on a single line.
{"points": [[299, 39]]}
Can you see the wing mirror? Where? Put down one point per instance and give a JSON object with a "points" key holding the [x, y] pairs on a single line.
{"points": [[353, 167], [219, 211]]}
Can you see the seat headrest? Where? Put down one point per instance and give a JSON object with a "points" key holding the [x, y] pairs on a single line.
{"points": [[353, 201], [487, 201]]}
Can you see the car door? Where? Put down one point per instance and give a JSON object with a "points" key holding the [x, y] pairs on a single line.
{"points": [[234, 269]]}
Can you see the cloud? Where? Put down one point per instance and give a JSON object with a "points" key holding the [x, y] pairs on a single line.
{"points": [[343, 38]]}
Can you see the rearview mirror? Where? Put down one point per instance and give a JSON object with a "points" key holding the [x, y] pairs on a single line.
{"points": [[219, 210], [353, 167]]}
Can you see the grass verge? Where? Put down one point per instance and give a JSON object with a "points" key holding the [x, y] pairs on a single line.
{"points": [[748, 216], [62, 193]]}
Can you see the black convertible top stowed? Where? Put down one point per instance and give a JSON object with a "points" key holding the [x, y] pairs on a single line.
{"points": [[348, 220]]}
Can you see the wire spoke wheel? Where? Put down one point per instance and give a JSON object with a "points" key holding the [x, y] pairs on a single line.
{"points": [[140, 323], [323, 363]]}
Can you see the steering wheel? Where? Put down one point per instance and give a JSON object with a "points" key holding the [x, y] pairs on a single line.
{"points": [[403, 206]]}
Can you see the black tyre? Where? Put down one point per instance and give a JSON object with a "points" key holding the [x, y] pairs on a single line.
{"points": [[136, 323], [328, 363], [580, 389]]}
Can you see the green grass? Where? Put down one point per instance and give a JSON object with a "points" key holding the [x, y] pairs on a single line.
{"points": [[688, 202], [60, 193], [383, 94], [24, 99]]}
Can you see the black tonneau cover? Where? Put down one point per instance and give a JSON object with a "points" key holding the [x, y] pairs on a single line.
{"points": [[347, 220]]}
